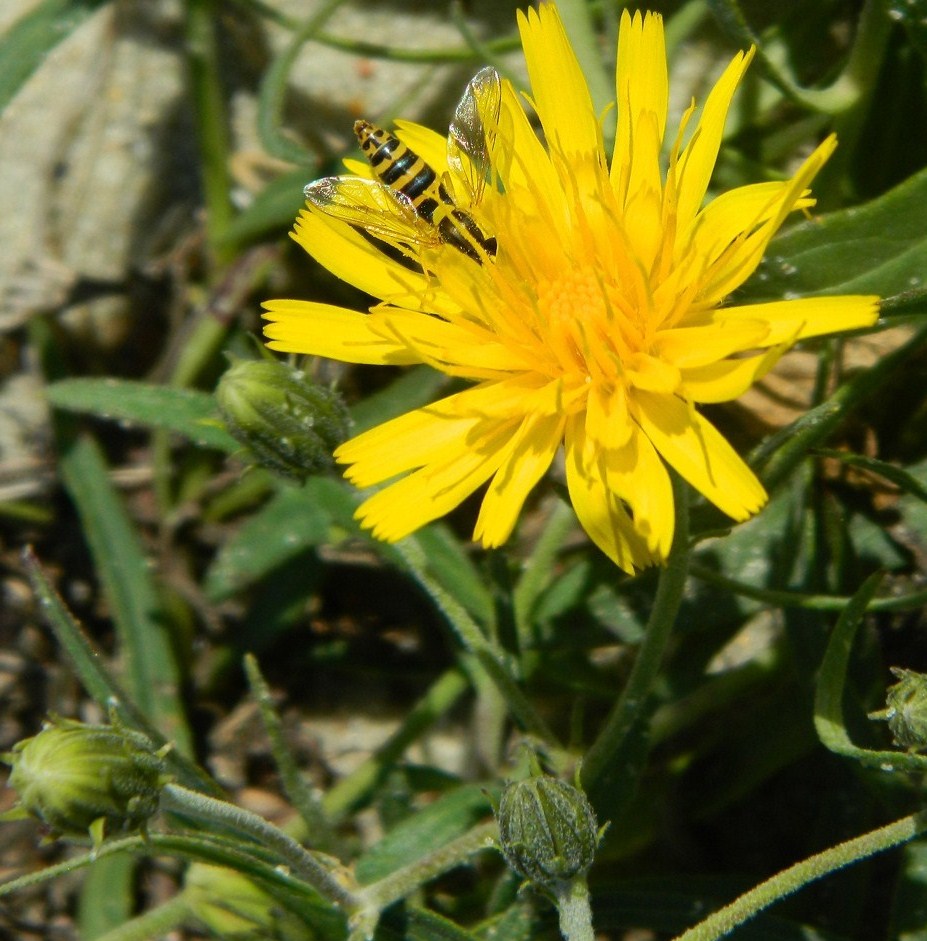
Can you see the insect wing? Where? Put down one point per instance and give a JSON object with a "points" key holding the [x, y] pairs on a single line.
{"points": [[473, 131], [372, 206]]}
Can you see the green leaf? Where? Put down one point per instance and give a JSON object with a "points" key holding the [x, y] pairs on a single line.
{"points": [[910, 902], [418, 924], [877, 248], [191, 414], [912, 15], [290, 523], [896, 475], [274, 208], [455, 571], [107, 895], [431, 828], [828, 703], [27, 42], [89, 667], [152, 675]]}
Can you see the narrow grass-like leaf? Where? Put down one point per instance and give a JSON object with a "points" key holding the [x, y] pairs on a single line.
{"points": [[910, 902], [321, 836], [896, 475], [26, 43], [107, 896], [95, 678], [828, 703], [878, 248], [454, 569], [355, 788], [152, 675], [184, 411], [274, 208]]}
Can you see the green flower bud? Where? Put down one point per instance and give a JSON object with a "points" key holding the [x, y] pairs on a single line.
{"points": [[232, 907], [79, 779], [547, 829], [289, 425], [906, 710]]}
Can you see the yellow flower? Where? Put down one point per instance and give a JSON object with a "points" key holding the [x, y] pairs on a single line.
{"points": [[596, 323]]}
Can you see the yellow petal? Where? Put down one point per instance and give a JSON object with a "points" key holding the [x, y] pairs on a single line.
{"points": [[526, 460], [642, 89], [697, 161], [736, 265], [728, 379], [428, 144], [636, 474], [335, 332], [607, 421], [597, 507], [433, 433], [353, 258], [437, 488], [689, 347], [693, 446], [558, 86], [652, 374], [735, 213], [806, 316]]}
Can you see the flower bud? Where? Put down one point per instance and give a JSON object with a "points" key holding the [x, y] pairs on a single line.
{"points": [[289, 425], [906, 710], [231, 906], [547, 829], [80, 779]]}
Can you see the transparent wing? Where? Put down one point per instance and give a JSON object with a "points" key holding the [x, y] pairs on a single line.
{"points": [[372, 206], [472, 133]]}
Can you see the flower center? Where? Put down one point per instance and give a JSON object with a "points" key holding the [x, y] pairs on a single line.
{"points": [[581, 318]]}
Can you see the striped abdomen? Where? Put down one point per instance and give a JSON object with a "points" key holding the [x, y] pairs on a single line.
{"points": [[403, 170]]}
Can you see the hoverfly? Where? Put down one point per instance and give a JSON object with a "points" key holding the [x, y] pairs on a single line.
{"points": [[408, 202]]}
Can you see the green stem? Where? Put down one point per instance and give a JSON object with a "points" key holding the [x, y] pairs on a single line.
{"points": [[806, 600], [155, 923], [211, 125], [377, 896], [790, 880], [274, 88], [537, 571], [494, 661], [320, 833], [575, 911], [352, 789], [300, 861], [633, 703]]}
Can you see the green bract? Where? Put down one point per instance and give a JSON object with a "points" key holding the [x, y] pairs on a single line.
{"points": [[289, 425], [906, 710], [547, 829], [79, 779]]}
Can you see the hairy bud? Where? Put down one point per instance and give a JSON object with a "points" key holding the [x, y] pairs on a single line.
{"points": [[289, 425]]}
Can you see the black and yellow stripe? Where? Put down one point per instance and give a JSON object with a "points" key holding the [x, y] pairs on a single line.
{"points": [[400, 168]]}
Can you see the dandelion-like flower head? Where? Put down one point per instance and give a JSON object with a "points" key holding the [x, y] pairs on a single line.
{"points": [[595, 323]]}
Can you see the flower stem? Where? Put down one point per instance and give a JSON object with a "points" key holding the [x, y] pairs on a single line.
{"points": [[300, 861], [494, 661], [575, 911], [634, 700], [725, 920], [379, 895]]}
